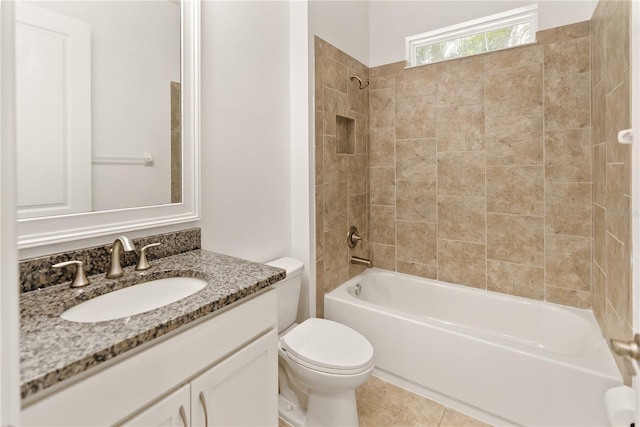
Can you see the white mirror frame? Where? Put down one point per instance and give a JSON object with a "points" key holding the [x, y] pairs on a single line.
{"points": [[34, 232]]}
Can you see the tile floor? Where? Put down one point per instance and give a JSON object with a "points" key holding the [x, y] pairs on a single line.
{"points": [[381, 404]]}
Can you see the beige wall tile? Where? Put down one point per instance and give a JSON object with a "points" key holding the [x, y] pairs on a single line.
{"points": [[600, 174], [416, 159], [382, 150], [383, 256], [598, 47], [599, 113], [335, 165], [461, 173], [358, 99], [600, 237], [567, 102], [357, 176], [462, 218], [460, 82], [335, 205], [381, 108], [568, 262], [568, 155], [568, 208], [514, 140], [317, 75], [566, 57], [572, 297], [618, 107], [387, 69], [420, 270], [599, 300], [383, 224], [515, 190], [617, 204], [462, 263], [358, 212], [331, 52], [319, 222], [319, 147], [618, 44], [320, 289], [460, 128], [382, 82], [416, 242], [514, 91], [416, 201], [515, 57], [616, 328], [514, 238], [515, 279], [362, 131], [335, 103], [415, 117], [552, 35], [336, 263], [383, 188], [618, 274], [334, 75], [417, 81]]}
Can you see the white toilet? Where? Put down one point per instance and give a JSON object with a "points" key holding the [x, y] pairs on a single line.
{"points": [[321, 362]]}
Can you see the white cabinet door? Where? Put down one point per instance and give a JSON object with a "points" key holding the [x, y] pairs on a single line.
{"points": [[172, 411], [242, 390]]}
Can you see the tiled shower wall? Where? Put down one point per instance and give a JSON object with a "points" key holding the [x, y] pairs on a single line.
{"points": [[611, 170], [480, 169], [341, 159]]}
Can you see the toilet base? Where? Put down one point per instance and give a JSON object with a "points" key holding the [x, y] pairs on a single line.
{"points": [[332, 410], [326, 411], [293, 414]]}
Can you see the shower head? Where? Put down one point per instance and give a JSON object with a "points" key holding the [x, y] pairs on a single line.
{"points": [[363, 83]]}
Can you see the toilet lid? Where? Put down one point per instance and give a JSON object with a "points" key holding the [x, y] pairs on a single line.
{"points": [[326, 344]]}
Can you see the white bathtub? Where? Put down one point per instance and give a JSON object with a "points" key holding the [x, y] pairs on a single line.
{"points": [[505, 360]]}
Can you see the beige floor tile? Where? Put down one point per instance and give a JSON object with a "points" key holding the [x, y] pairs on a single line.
{"points": [[456, 419], [383, 404]]}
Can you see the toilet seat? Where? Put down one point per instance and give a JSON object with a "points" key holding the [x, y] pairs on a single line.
{"points": [[327, 346]]}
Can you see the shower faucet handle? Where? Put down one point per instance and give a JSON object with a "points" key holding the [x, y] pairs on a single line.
{"points": [[353, 237]]}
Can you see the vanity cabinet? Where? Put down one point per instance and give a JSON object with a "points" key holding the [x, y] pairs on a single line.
{"points": [[226, 364], [236, 392]]}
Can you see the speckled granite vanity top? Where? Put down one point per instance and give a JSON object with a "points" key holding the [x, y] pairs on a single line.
{"points": [[53, 349]]}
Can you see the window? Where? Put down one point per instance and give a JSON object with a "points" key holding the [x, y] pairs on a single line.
{"points": [[500, 31]]}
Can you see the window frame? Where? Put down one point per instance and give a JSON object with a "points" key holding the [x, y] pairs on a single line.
{"points": [[522, 15]]}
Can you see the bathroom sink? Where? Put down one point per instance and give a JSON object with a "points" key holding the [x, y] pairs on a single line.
{"points": [[134, 299]]}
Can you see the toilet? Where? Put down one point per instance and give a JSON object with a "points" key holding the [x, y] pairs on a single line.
{"points": [[321, 362]]}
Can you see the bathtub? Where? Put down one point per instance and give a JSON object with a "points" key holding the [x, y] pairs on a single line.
{"points": [[502, 359]]}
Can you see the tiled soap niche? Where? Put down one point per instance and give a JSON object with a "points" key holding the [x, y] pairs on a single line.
{"points": [[345, 135]]}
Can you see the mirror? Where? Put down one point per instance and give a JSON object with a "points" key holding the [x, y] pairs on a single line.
{"points": [[106, 117]]}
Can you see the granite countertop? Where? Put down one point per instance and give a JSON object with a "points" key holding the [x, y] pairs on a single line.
{"points": [[53, 349]]}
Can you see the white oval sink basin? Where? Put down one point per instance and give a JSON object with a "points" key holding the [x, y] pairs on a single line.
{"points": [[134, 299]]}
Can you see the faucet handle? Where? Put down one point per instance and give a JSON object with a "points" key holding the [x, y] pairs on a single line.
{"points": [[80, 278], [143, 264]]}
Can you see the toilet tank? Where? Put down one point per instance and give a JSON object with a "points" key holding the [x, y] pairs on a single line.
{"points": [[288, 290]]}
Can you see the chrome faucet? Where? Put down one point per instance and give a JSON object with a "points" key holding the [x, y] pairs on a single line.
{"points": [[120, 244]]}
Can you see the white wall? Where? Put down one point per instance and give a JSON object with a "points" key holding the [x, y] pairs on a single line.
{"points": [[392, 21], [246, 129], [344, 24], [135, 54]]}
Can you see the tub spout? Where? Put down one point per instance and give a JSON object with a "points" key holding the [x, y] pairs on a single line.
{"points": [[361, 261]]}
